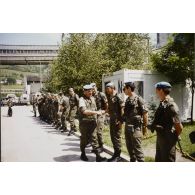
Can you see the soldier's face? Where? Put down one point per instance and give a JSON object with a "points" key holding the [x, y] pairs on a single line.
{"points": [[160, 94], [109, 90], [71, 92], [88, 93], [126, 91]]}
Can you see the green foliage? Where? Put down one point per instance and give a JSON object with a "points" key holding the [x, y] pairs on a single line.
{"points": [[176, 59], [11, 80], [84, 58]]}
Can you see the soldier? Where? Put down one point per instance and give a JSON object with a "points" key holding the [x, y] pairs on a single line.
{"points": [[35, 103], [74, 103], [55, 110], [167, 124], [134, 111], [64, 108], [115, 109], [88, 123], [102, 104], [10, 105], [40, 102]]}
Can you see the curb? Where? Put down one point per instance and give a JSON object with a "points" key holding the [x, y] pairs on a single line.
{"points": [[109, 150]]}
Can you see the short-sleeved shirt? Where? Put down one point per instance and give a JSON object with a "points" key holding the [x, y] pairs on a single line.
{"points": [[167, 114], [115, 106], [134, 106], [87, 104], [74, 100]]}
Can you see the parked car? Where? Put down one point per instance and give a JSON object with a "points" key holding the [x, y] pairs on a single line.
{"points": [[24, 99], [4, 101], [14, 98]]}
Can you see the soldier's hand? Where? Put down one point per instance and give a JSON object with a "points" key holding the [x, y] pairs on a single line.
{"points": [[119, 123], [99, 112], [145, 131]]}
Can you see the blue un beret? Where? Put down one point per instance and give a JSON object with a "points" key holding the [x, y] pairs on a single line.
{"points": [[111, 84], [162, 85], [87, 87]]}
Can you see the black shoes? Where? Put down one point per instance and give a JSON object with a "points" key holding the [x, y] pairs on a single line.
{"points": [[114, 158], [83, 157], [63, 130], [101, 159]]}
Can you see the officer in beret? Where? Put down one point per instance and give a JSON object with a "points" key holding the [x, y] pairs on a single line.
{"points": [[135, 112], [167, 124], [115, 110], [88, 123]]}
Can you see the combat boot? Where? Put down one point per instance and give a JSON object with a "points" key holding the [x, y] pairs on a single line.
{"points": [[83, 156], [115, 158], [100, 158]]}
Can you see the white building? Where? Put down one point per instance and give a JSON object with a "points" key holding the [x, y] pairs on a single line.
{"points": [[145, 81]]}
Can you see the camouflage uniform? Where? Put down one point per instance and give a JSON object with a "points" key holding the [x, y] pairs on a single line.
{"points": [[74, 102], [34, 104], [101, 103], [115, 106], [166, 115], [65, 107], [133, 112]]}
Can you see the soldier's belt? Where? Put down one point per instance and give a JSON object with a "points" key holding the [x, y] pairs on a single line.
{"points": [[88, 119]]}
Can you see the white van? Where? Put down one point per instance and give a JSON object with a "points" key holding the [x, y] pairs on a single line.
{"points": [[24, 99]]}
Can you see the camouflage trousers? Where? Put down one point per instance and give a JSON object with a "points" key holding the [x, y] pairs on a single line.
{"points": [[115, 134], [166, 147], [64, 120], [72, 116], [133, 138], [99, 128], [88, 133], [35, 110]]}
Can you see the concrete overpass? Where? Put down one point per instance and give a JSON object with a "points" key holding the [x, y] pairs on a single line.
{"points": [[27, 54]]}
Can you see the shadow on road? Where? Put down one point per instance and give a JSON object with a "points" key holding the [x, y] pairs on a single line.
{"points": [[67, 158]]}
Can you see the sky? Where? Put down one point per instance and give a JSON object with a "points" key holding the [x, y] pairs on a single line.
{"points": [[30, 38], [39, 38]]}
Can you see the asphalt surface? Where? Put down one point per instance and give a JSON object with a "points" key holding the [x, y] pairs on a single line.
{"points": [[25, 138]]}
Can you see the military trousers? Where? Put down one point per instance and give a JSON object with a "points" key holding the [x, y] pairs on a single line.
{"points": [[115, 134], [72, 117], [64, 120], [166, 147], [100, 127], [133, 138], [88, 132], [35, 110]]}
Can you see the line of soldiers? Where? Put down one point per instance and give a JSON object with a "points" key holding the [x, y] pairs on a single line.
{"points": [[57, 109], [92, 108]]}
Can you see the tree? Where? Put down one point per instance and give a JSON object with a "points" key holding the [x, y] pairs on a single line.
{"points": [[11, 80], [176, 60], [84, 58]]}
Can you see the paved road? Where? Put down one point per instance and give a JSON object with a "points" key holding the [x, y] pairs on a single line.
{"points": [[27, 139]]}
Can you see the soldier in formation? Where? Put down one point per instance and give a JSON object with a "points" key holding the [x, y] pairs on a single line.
{"points": [[74, 103], [91, 109], [136, 119], [115, 110], [167, 124]]}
